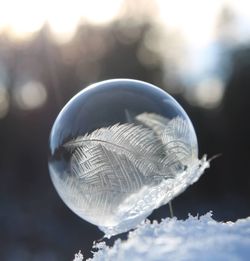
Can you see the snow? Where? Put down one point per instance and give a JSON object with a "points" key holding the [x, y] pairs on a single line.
{"points": [[197, 238]]}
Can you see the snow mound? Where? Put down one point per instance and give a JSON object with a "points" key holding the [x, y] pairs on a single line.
{"points": [[197, 238]]}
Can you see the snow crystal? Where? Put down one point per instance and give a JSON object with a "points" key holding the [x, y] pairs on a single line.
{"points": [[197, 238], [78, 256]]}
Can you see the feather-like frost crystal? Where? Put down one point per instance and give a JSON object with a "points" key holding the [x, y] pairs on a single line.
{"points": [[128, 170]]}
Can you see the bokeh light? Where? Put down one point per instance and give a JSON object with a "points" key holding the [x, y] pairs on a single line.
{"points": [[208, 94], [30, 96]]}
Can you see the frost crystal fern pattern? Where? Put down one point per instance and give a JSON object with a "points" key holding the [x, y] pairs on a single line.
{"points": [[117, 163]]}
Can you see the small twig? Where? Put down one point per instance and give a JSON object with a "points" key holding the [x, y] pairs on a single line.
{"points": [[215, 157], [171, 209]]}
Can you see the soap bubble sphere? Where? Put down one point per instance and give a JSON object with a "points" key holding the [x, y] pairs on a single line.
{"points": [[120, 149]]}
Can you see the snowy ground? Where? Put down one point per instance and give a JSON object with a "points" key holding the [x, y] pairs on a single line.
{"points": [[193, 239]]}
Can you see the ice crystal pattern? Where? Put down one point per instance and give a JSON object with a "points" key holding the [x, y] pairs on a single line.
{"points": [[127, 170]]}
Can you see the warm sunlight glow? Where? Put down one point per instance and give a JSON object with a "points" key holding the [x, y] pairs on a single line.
{"points": [[197, 21], [194, 19], [63, 18], [100, 12], [21, 18]]}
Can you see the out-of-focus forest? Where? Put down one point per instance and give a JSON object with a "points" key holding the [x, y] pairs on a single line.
{"points": [[198, 51]]}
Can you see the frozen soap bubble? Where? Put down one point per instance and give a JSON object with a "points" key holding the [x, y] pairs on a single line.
{"points": [[120, 149]]}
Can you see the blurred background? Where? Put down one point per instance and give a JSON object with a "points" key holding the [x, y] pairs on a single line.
{"points": [[198, 51]]}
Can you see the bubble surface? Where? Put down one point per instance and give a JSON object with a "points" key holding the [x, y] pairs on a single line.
{"points": [[119, 149]]}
